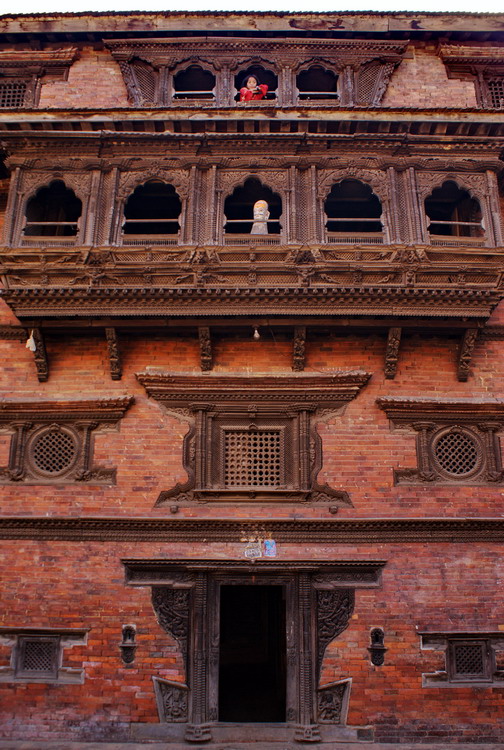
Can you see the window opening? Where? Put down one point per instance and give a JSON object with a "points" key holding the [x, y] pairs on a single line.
{"points": [[353, 209], [194, 83], [252, 657], [37, 657], [53, 212], [456, 453], [12, 93], [253, 458], [453, 212], [469, 661], [317, 83], [496, 91], [261, 75], [153, 208], [53, 451], [244, 216]]}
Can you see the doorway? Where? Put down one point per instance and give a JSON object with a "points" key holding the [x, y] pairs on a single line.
{"points": [[252, 655]]}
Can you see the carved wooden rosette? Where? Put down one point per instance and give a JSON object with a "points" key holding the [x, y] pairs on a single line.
{"points": [[52, 441], [219, 408], [319, 602], [456, 441]]}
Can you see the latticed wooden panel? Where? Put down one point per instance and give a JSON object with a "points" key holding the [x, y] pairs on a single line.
{"points": [[12, 94], [496, 91], [456, 453], [253, 458], [38, 657], [470, 661], [54, 451]]}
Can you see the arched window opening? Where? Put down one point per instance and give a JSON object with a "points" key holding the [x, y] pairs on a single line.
{"points": [[54, 211], [261, 75], [253, 209], [153, 208], [353, 210], [194, 83], [452, 212], [316, 83]]}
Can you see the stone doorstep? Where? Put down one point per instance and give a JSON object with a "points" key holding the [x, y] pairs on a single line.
{"points": [[68, 745]]}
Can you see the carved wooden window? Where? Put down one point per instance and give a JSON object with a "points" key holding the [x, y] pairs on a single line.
{"points": [[22, 73], [38, 655], [262, 75], [193, 83], [317, 598], [13, 93], [317, 84], [482, 65], [253, 209], [252, 439], [453, 212], [470, 659], [152, 210], [54, 211], [52, 443], [456, 442], [495, 89], [353, 213]]}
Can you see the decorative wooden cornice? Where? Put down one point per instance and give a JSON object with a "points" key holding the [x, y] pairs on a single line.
{"points": [[323, 391], [409, 409], [462, 58], [54, 63], [109, 409], [358, 574], [286, 531]]}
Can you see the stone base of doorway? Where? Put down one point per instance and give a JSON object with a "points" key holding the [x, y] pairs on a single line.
{"points": [[69, 745], [243, 735]]}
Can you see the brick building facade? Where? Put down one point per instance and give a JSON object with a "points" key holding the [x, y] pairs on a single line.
{"points": [[250, 468]]}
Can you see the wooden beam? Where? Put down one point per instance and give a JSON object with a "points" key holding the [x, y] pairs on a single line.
{"points": [[392, 352], [114, 353]]}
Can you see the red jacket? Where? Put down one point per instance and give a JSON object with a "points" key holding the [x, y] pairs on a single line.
{"points": [[247, 94]]}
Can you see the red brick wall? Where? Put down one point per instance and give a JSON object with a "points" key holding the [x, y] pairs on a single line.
{"points": [[59, 584], [421, 80]]}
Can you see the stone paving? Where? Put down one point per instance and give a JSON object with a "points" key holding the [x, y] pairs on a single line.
{"points": [[68, 745]]}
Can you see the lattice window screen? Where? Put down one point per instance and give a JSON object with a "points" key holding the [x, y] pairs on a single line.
{"points": [[12, 94], [38, 657], [456, 453], [146, 78], [469, 659], [54, 451], [253, 458], [496, 90]]}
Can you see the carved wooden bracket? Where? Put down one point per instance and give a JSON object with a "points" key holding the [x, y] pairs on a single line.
{"points": [[114, 353], [205, 343], [40, 356], [299, 349], [392, 352], [52, 441], [465, 353], [457, 441], [235, 420]]}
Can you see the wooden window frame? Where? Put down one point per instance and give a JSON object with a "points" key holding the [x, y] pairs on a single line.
{"points": [[209, 404], [431, 420], [26, 421], [491, 643], [63, 638]]}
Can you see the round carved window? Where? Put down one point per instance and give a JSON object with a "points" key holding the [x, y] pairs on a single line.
{"points": [[457, 453], [53, 451]]}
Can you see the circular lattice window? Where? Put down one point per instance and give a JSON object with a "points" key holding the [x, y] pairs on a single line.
{"points": [[457, 453], [53, 451]]}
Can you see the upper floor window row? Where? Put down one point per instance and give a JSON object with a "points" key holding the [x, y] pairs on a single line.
{"points": [[285, 72], [349, 211]]}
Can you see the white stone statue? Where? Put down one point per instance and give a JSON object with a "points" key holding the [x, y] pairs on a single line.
{"points": [[261, 216]]}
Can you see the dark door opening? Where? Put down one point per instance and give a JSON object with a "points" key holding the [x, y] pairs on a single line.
{"points": [[252, 665]]}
